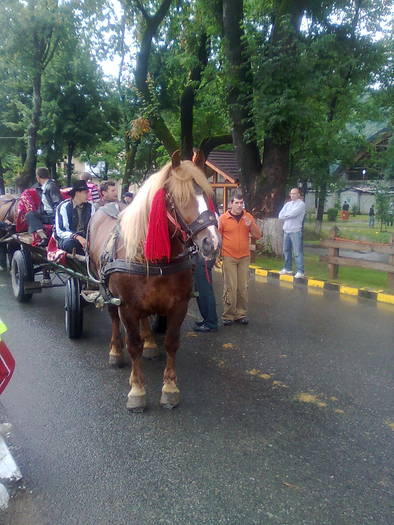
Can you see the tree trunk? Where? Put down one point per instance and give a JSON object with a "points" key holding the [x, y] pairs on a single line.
{"points": [[69, 168], [320, 207], [272, 240], [141, 74], [240, 93], [2, 183], [28, 171], [275, 173], [188, 97], [276, 157], [131, 151]]}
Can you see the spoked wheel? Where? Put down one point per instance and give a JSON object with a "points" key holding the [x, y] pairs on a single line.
{"points": [[21, 273], [73, 308]]}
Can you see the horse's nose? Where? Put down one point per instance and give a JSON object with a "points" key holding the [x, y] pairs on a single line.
{"points": [[207, 247]]}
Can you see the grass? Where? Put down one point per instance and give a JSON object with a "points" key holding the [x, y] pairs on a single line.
{"points": [[355, 228], [351, 276]]}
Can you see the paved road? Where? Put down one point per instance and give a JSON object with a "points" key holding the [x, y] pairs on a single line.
{"points": [[289, 421]]}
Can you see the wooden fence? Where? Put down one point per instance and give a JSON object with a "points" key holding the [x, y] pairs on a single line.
{"points": [[334, 259]]}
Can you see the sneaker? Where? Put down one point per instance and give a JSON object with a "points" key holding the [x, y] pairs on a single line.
{"points": [[242, 320], [285, 272], [204, 328], [199, 323], [227, 322], [299, 275]]}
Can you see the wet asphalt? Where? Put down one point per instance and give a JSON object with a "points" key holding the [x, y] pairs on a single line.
{"points": [[288, 421]]}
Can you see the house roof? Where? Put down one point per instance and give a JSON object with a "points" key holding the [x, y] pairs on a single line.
{"points": [[225, 163]]}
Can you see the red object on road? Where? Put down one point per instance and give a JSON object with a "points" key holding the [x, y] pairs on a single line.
{"points": [[7, 366]]}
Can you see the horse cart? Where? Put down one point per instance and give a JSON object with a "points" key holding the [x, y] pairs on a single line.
{"points": [[32, 272]]}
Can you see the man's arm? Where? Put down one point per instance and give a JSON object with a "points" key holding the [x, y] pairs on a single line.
{"points": [[61, 223], [255, 230], [288, 212]]}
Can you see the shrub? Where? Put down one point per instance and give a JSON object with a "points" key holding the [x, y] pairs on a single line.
{"points": [[332, 214], [355, 210]]}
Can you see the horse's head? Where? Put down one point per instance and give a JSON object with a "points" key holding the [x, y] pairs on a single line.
{"points": [[190, 196], [171, 212]]}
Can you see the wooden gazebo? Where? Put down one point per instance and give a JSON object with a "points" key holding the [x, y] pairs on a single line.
{"points": [[222, 171]]}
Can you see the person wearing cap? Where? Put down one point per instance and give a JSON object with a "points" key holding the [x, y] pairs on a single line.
{"points": [[50, 198], [72, 218], [94, 194]]}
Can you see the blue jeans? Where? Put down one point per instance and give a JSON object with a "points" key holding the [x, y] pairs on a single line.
{"points": [[292, 245]]}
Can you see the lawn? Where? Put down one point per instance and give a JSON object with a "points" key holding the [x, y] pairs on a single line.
{"points": [[355, 228]]}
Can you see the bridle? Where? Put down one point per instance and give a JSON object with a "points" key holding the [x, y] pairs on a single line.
{"points": [[187, 232]]}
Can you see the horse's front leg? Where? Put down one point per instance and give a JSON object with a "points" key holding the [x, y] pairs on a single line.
{"points": [[170, 394], [150, 347], [136, 398], [116, 358]]}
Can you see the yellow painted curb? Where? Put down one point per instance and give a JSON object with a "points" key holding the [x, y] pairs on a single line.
{"points": [[385, 298], [315, 283], [347, 290], [259, 271], [288, 278]]}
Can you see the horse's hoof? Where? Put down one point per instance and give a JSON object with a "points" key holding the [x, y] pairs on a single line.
{"points": [[116, 361], [136, 403], [170, 399], [150, 353]]}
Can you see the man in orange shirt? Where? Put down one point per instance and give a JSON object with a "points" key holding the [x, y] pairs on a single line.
{"points": [[236, 226]]}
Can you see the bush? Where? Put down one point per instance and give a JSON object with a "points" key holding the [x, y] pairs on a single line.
{"points": [[355, 210], [332, 214]]}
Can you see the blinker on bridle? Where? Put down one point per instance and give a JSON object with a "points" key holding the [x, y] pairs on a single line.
{"points": [[188, 231]]}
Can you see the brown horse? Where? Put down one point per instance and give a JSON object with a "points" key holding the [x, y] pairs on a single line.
{"points": [[165, 286]]}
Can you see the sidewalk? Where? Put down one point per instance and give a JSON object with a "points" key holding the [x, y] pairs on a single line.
{"points": [[9, 470]]}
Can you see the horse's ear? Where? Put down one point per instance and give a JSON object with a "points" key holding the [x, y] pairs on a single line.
{"points": [[176, 159], [199, 158]]}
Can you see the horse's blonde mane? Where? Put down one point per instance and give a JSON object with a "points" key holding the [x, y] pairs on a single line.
{"points": [[179, 182]]}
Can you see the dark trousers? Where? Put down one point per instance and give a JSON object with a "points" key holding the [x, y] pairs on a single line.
{"points": [[36, 220], [69, 244], [206, 296]]}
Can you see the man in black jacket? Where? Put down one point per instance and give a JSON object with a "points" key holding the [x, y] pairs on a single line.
{"points": [[50, 198], [72, 218]]}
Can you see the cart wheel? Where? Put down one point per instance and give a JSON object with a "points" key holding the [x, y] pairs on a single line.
{"points": [[21, 272], [73, 308]]}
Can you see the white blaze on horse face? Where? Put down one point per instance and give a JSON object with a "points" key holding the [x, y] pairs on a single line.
{"points": [[202, 203]]}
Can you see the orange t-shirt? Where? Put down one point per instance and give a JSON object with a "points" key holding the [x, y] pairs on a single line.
{"points": [[235, 235]]}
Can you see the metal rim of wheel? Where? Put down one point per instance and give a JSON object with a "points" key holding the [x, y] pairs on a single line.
{"points": [[21, 272]]}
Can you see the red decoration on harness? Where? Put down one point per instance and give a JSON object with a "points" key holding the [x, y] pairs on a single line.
{"points": [[7, 366], [157, 243]]}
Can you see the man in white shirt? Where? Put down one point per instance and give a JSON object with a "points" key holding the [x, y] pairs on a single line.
{"points": [[292, 214]]}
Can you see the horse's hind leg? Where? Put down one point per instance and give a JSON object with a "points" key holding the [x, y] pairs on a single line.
{"points": [[116, 358], [150, 347], [136, 398], [170, 394]]}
